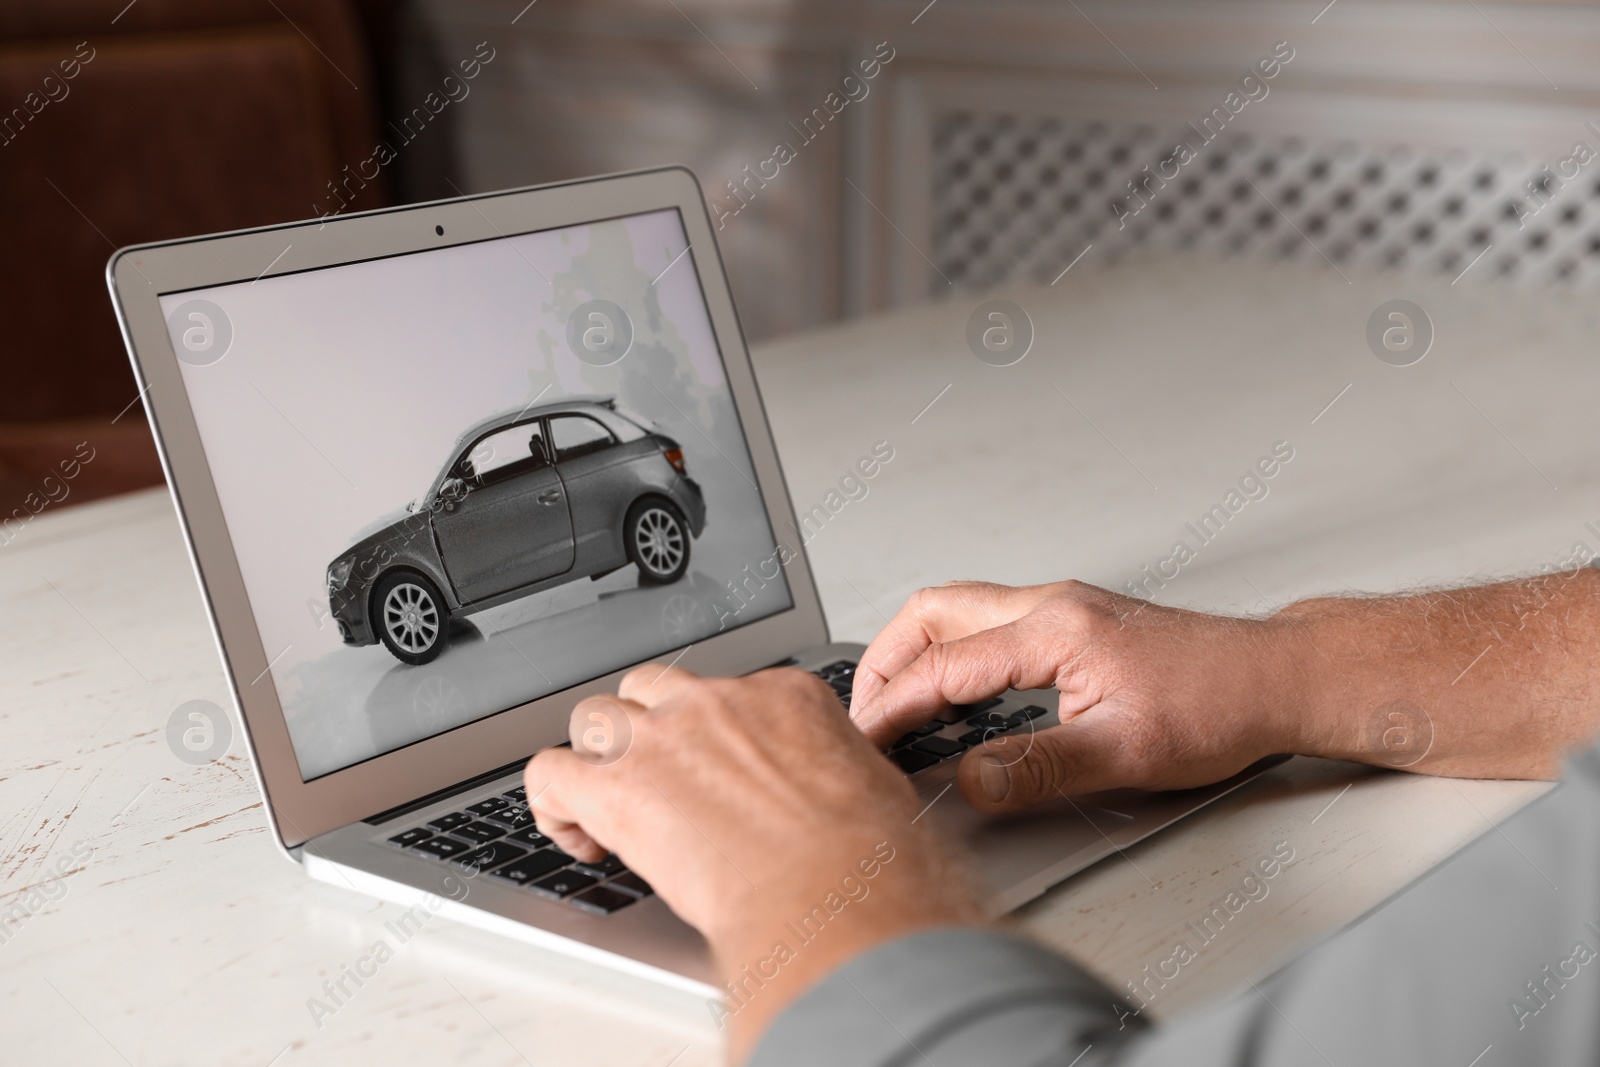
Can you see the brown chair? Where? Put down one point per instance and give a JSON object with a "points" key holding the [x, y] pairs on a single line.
{"points": [[126, 123]]}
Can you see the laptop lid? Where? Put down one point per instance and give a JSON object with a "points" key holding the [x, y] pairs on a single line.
{"points": [[444, 470]]}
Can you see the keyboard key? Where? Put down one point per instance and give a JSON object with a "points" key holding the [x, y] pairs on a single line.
{"points": [[982, 705], [603, 899], [532, 868], [928, 728], [939, 747], [484, 807], [411, 837], [1027, 714], [530, 836], [901, 742], [601, 868], [911, 761], [563, 883], [442, 847], [479, 832], [836, 670], [989, 718], [518, 795], [979, 736], [492, 855], [629, 882], [514, 817], [451, 821]]}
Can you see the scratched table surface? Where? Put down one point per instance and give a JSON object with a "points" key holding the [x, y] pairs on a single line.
{"points": [[146, 918]]}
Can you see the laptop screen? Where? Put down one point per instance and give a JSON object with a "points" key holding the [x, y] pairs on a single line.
{"points": [[461, 479]]}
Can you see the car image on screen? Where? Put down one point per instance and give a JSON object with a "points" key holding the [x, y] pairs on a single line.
{"points": [[528, 500]]}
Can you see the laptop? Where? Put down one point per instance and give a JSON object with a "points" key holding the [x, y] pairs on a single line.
{"points": [[445, 470]]}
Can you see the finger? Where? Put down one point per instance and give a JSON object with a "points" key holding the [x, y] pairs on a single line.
{"points": [[548, 780], [653, 683], [943, 613], [1090, 753], [962, 671], [601, 727]]}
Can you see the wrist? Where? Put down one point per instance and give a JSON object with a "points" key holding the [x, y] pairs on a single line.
{"points": [[1258, 679], [1307, 643]]}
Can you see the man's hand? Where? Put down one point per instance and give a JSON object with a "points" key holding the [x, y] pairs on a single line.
{"points": [[759, 814], [1498, 681], [1151, 697]]}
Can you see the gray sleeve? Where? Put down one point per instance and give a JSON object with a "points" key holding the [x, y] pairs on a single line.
{"points": [[1494, 958], [955, 995]]}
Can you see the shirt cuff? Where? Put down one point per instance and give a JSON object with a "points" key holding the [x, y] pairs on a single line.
{"points": [[903, 1000]]}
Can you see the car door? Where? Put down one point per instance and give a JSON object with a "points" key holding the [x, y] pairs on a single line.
{"points": [[513, 526], [587, 456]]}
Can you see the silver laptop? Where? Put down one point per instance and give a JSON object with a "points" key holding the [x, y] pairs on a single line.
{"points": [[445, 470]]}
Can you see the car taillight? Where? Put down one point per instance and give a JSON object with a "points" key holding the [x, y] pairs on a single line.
{"points": [[675, 457]]}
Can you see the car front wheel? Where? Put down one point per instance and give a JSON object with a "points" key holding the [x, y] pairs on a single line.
{"points": [[658, 541], [411, 617]]}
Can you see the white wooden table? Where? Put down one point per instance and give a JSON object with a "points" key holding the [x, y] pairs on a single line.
{"points": [[185, 937]]}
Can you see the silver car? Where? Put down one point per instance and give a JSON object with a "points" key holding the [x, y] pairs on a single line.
{"points": [[529, 499]]}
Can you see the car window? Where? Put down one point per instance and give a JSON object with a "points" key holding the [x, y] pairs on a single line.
{"points": [[578, 435], [634, 425], [504, 454]]}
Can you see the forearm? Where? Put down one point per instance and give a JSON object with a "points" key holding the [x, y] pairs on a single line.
{"points": [[1494, 681]]}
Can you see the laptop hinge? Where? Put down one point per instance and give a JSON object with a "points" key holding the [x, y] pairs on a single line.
{"points": [[460, 787]]}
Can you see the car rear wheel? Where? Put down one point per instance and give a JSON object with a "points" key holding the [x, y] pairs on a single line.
{"points": [[658, 541], [411, 617]]}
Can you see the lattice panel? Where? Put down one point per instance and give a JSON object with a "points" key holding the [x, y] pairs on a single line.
{"points": [[1019, 198]]}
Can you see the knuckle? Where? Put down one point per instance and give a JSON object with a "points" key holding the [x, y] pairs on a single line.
{"points": [[1083, 622], [926, 599], [937, 665], [796, 679], [926, 593]]}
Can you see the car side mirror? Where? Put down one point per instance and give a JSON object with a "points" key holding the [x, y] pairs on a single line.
{"points": [[452, 492]]}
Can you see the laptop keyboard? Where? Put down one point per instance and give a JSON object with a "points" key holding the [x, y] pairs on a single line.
{"points": [[496, 836], [957, 729]]}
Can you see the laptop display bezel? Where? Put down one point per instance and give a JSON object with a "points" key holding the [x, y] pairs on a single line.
{"points": [[299, 810]]}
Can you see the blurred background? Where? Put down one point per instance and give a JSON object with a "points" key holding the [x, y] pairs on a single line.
{"points": [[855, 156]]}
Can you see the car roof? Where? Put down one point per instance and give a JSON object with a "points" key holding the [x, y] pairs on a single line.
{"points": [[528, 412]]}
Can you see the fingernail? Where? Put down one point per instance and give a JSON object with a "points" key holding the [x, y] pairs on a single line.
{"points": [[993, 778]]}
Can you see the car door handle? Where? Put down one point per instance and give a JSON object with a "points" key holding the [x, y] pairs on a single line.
{"points": [[549, 496]]}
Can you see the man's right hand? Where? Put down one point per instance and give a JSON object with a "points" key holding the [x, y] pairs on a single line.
{"points": [[1151, 697]]}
